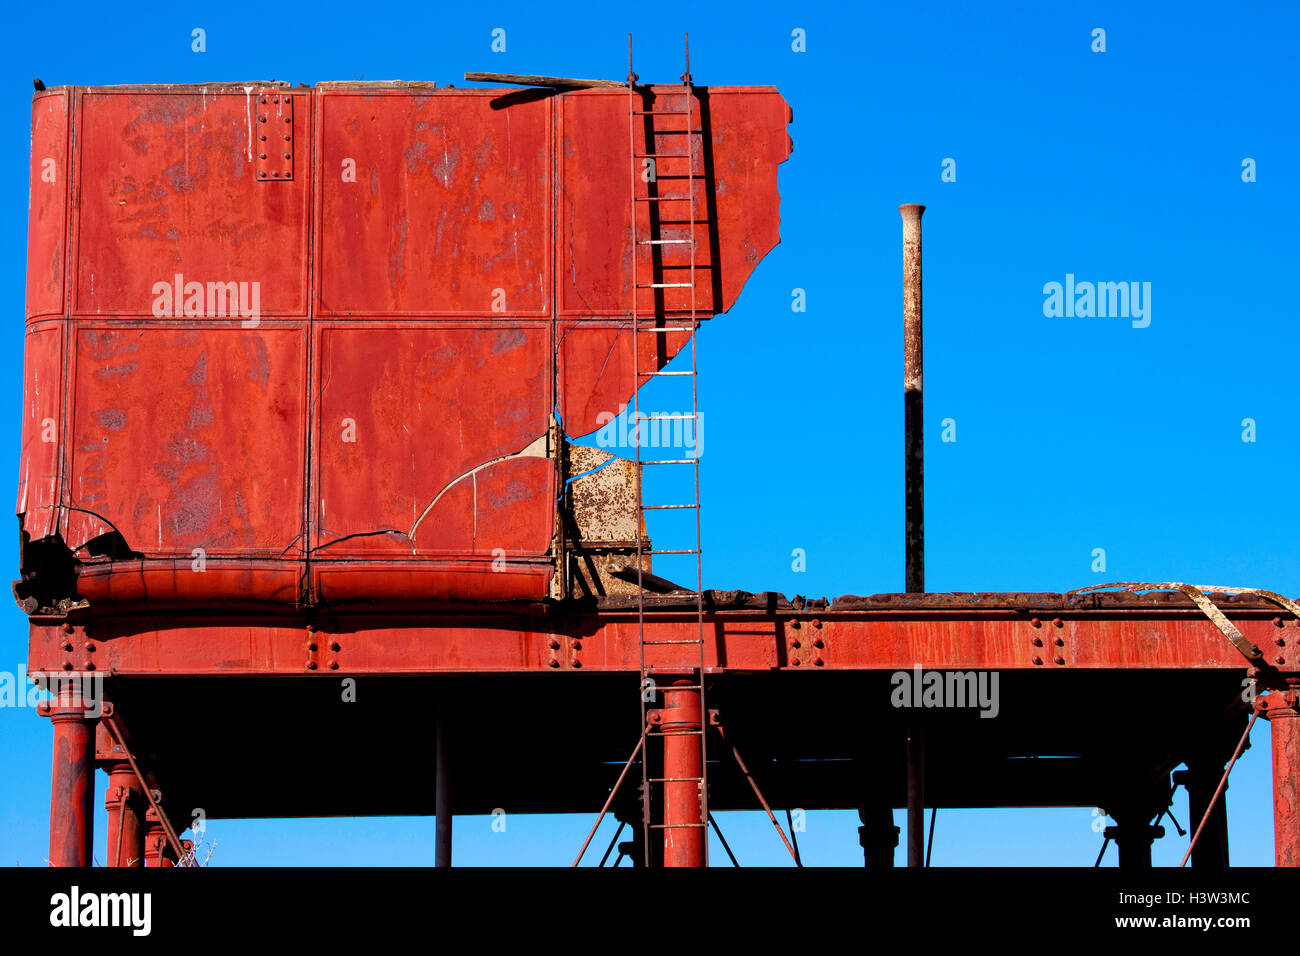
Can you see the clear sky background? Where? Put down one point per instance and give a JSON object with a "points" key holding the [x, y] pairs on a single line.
{"points": [[1072, 433]]}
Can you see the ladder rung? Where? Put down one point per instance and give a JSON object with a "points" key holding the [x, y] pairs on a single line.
{"points": [[665, 507], [652, 643], [665, 285], [671, 461], [679, 687], [676, 780], [674, 733], [675, 551], [664, 242], [662, 198], [661, 155], [653, 374], [675, 826], [660, 112]]}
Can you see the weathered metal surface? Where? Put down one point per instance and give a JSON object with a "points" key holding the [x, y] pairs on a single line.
{"points": [[298, 346], [1147, 633], [1282, 710], [913, 405]]}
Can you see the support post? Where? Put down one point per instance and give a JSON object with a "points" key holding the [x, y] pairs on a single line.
{"points": [[126, 803], [915, 791], [1282, 708], [877, 836], [442, 795], [684, 823], [157, 848], [72, 783], [1133, 834], [1201, 779], [913, 412]]}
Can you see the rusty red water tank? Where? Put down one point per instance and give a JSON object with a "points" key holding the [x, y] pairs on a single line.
{"points": [[315, 343]]}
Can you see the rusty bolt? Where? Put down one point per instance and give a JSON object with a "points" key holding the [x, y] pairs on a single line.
{"points": [[1037, 660], [574, 662], [1037, 642], [1060, 660], [334, 646], [553, 644], [1057, 622], [577, 644], [311, 646], [819, 643], [311, 665], [67, 645], [90, 646], [1035, 622], [1277, 622], [334, 665], [1060, 642], [552, 663], [1281, 659], [817, 662], [67, 665], [1280, 642], [795, 661], [795, 625], [796, 644], [90, 665], [816, 623], [67, 628]]}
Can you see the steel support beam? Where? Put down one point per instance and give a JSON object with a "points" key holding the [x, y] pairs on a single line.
{"points": [[916, 791], [72, 784], [684, 823], [126, 803], [1282, 708], [442, 794]]}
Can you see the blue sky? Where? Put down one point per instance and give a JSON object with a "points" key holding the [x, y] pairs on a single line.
{"points": [[1072, 433]]}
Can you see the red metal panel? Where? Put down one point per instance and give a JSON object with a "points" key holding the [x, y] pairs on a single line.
{"points": [[38, 476], [47, 212], [185, 439], [186, 422], [448, 197], [168, 186], [406, 415]]}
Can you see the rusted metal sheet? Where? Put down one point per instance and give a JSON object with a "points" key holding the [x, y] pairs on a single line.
{"points": [[309, 345], [480, 638]]}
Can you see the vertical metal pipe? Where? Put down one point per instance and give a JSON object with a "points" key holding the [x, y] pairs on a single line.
{"points": [[1201, 780], [1284, 721], [913, 416], [72, 784], [684, 833], [915, 792], [125, 803], [442, 796]]}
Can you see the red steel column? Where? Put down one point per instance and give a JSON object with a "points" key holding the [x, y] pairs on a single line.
{"points": [[684, 833], [157, 849], [72, 786], [1282, 708], [125, 802]]}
